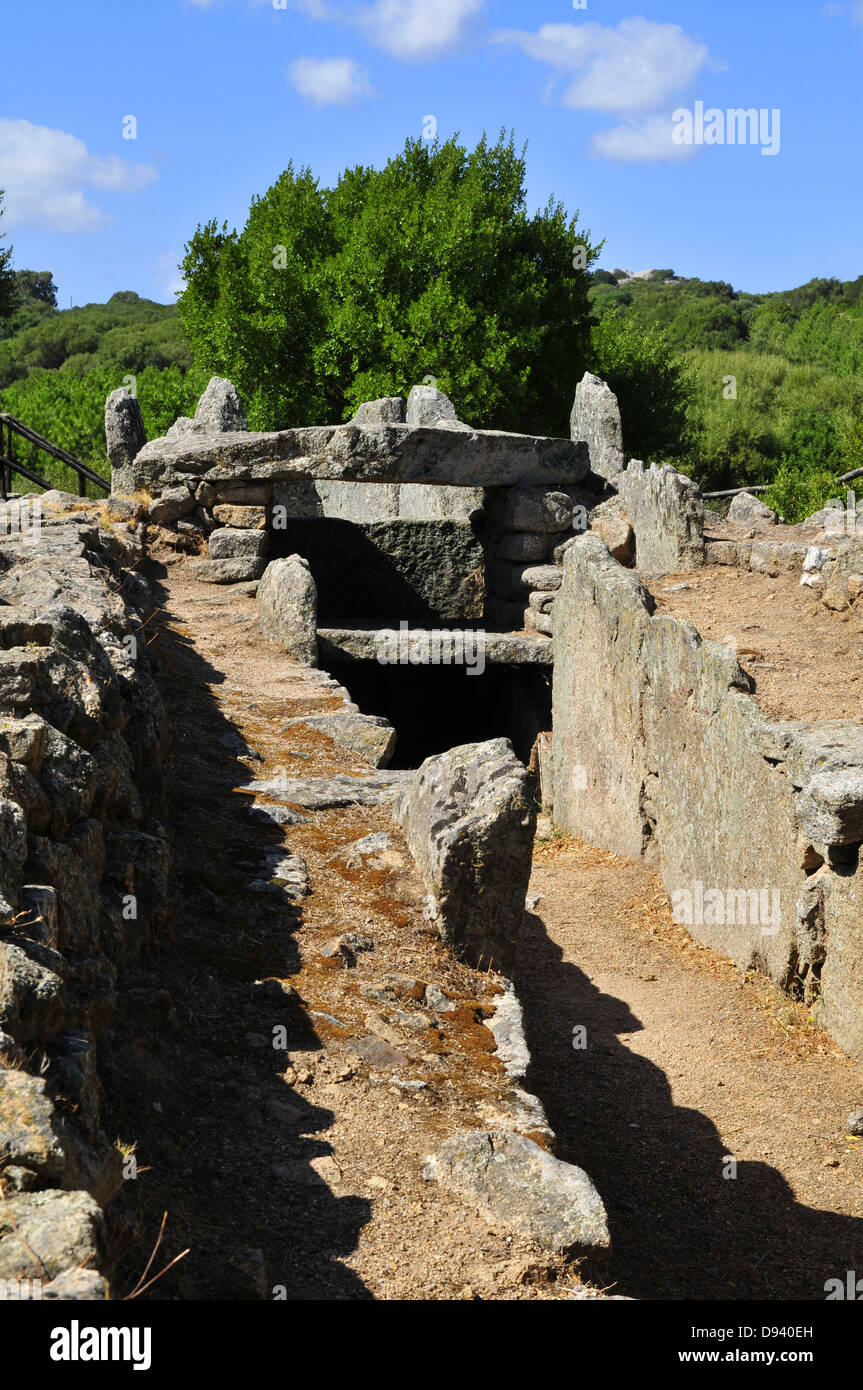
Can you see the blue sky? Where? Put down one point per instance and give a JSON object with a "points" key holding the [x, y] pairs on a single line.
{"points": [[226, 92]]}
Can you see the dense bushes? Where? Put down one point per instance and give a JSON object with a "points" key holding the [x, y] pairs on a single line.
{"points": [[775, 392], [429, 268]]}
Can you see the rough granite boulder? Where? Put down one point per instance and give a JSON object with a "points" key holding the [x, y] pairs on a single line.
{"points": [[428, 406], [469, 819], [614, 528], [748, 509], [595, 421], [288, 608], [522, 1190], [173, 503], [388, 410], [49, 1234], [535, 509], [227, 571], [235, 543], [32, 990], [124, 438], [220, 410]]}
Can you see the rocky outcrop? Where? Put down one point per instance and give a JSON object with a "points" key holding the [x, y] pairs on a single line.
{"points": [[288, 608], [469, 821], [83, 872], [595, 422], [388, 410], [659, 750]]}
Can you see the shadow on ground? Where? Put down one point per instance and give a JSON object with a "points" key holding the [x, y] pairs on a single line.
{"points": [[224, 1145], [679, 1229]]}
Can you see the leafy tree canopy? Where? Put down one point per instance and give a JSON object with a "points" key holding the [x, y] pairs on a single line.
{"points": [[430, 268]]}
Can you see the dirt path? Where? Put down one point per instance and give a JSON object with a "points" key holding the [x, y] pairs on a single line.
{"points": [[298, 1173], [687, 1062], [292, 1174]]}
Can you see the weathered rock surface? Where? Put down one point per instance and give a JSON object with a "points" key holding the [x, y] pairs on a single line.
{"points": [[595, 421], [469, 821], [124, 438], [659, 750], [536, 509], [367, 734], [64, 1231], [173, 503], [233, 543], [220, 410], [33, 1003], [745, 507], [326, 793], [419, 571], [362, 453], [428, 406], [613, 526], [522, 1190], [388, 410], [287, 608], [524, 546], [82, 740], [667, 514], [227, 571], [498, 648]]}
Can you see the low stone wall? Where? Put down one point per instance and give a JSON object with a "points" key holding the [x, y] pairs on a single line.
{"points": [[83, 871], [660, 750]]}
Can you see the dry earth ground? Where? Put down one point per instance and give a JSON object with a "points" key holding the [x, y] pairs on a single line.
{"points": [[302, 1172]]}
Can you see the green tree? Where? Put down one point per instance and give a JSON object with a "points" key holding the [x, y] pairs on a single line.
{"points": [[429, 267], [8, 286], [36, 287], [652, 385]]}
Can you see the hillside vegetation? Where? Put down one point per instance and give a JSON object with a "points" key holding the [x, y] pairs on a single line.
{"points": [[770, 385], [733, 388]]}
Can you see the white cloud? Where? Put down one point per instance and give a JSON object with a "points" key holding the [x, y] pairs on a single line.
{"points": [[854, 10], [633, 68], [412, 30], [48, 173], [647, 140], [417, 30], [168, 274], [330, 81]]}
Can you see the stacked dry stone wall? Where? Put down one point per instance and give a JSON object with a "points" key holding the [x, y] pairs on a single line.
{"points": [[83, 871]]}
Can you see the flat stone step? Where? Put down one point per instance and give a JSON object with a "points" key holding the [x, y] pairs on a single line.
{"points": [[498, 648], [329, 793]]}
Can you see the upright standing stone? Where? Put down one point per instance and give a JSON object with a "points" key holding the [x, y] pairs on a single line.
{"points": [[595, 421], [428, 406], [469, 820], [288, 608], [124, 437], [220, 410]]}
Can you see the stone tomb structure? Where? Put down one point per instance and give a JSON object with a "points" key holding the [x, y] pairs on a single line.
{"points": [[402, 513]]}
